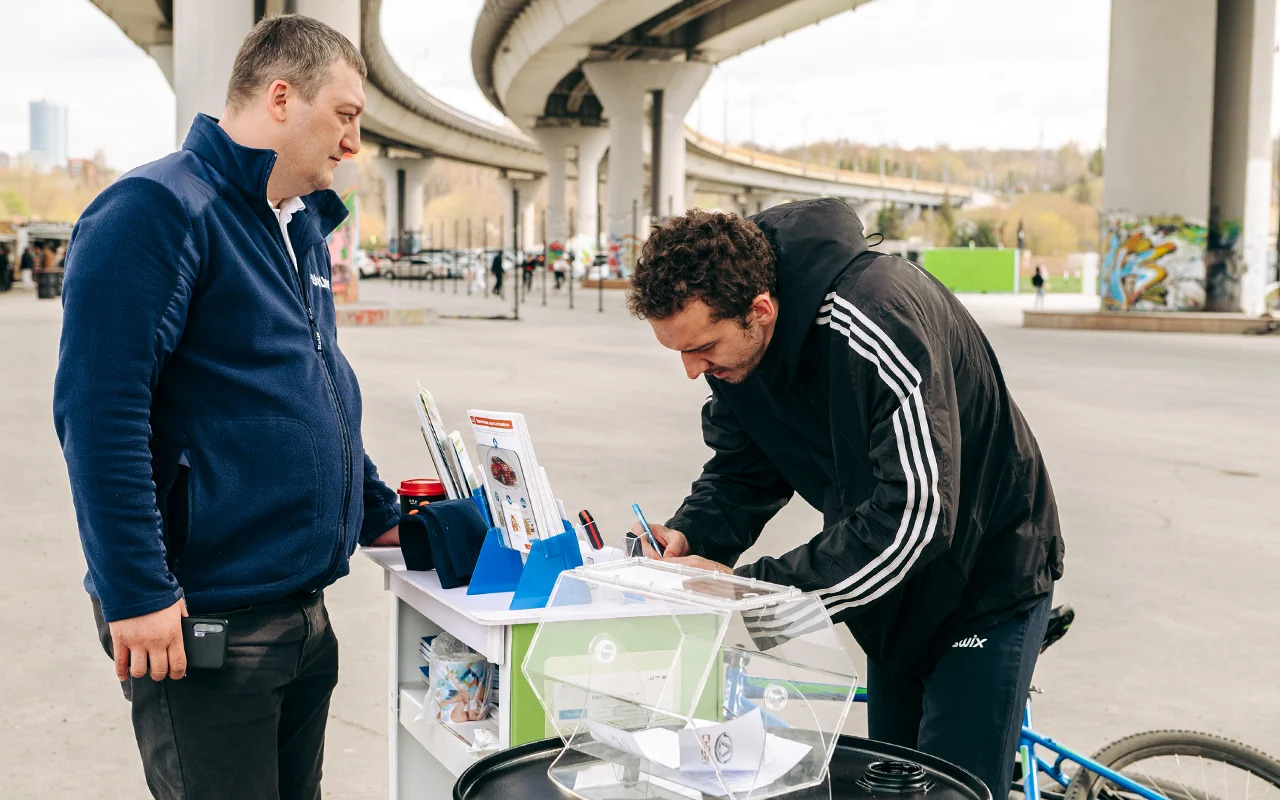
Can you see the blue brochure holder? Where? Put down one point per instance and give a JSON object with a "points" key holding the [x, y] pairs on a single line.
{"points": [[547, 559], [499, 568]]}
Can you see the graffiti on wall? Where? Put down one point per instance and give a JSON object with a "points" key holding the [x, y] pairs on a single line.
{"points": [[345, 239], [342, 254], [1153, 264], [1224, 267]]}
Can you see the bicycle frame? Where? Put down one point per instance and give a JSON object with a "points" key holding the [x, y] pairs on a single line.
{"points": [[741, 687], [1033, 764]]}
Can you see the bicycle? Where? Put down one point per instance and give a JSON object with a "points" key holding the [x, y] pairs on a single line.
{"points": [[1122, 770]]}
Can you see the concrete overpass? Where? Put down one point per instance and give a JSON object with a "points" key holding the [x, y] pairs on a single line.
{"points": [[1186, 203], [558, 68], [194, 46]]}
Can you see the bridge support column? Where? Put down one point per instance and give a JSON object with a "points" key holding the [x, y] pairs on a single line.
{"points": [[622, 87], [690, 189], [206, 37], [527, 188], [404, 181], [589, 143], [341, 15], [1186, 198]]}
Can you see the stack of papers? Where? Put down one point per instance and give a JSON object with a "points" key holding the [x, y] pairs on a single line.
{"points": [[520, 496]]}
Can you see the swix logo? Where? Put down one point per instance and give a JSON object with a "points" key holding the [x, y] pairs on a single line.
{"points": [[972, 641], [323, 283]]}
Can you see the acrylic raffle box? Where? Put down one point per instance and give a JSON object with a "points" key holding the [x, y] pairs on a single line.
{"points": [[670, 682]]}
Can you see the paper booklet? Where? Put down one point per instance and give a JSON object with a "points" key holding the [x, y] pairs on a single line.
{"points": [[443, 456], [518, 489]]}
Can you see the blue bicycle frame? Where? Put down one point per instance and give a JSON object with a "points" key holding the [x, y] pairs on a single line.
{"points": [[741, 688], [1033, 764]]}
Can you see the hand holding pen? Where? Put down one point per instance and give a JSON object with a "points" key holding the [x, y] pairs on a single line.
{"points": [[658, 541]]}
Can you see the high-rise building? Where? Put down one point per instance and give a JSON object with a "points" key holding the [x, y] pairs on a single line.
{"points": [[49, 132]]}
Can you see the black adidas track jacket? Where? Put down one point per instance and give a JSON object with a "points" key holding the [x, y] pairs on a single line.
{"points": [[881, 403]]}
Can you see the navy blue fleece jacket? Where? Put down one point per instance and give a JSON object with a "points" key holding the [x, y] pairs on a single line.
{"points": [[210, 424]]}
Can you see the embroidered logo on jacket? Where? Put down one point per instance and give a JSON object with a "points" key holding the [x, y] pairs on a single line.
{"points": [[972, 641], [323, 283]]}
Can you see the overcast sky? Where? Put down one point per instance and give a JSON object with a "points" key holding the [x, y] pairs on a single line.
{"points": [[995, 73]]}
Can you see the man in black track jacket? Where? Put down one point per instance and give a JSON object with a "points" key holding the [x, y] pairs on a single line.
{"points": [[859, 381]]}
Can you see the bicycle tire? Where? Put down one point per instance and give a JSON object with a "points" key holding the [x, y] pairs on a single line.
{"points": [[1122, 753]]}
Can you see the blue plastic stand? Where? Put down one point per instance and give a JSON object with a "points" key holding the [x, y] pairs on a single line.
{"points": [[547, 559], [498, 568]]}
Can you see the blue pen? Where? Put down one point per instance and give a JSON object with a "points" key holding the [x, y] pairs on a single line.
{"points": [[653, 540]]}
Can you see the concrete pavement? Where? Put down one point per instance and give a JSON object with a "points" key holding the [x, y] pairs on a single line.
{"points": [[1162, 450]]}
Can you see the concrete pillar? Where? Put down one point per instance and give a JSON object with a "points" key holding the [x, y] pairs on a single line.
{"points": [[555, 142], [342, 15], [590, 151], [690, 189], [622, 87], [1159, 154], [528, 188], [404, 181], [1240, 187], [163, 55], [767, 200], [681, 89], [206, 37]]}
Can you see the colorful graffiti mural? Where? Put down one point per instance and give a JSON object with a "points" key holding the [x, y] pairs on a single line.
{"points": [[345, 239], [1153, 264]]}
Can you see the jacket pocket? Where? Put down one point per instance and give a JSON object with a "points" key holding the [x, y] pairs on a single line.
{"points": [[254, 505], [175, 513]]}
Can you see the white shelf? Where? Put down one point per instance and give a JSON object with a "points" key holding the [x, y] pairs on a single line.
{"points": [[438, 741]]}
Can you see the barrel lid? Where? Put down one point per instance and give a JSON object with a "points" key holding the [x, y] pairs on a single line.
{"points": [[521, 774]]}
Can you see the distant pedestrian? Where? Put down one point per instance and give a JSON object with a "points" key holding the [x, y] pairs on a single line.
{"points": [[561, 269], [1040, 283], [33, 258], [6, 269], [496, 269]]}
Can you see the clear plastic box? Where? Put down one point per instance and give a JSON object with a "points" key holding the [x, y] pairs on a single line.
{"points": [[670, 682]]}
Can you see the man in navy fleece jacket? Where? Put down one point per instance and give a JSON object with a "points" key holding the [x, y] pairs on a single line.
{"points": [[211, 425]]}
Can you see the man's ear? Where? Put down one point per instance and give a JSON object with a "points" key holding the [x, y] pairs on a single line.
{"points": [[764, 308], [278, 95]]}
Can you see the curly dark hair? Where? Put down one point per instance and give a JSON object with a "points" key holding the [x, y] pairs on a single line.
{"points": [[721, 259]]}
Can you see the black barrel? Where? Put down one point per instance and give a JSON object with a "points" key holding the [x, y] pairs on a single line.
{"points": [[860, 770], [48, 284]]}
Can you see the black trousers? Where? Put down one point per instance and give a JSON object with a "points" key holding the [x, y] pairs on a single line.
{"points": [[969, 709], [253, 730]]}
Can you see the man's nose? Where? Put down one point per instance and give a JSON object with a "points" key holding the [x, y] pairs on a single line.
{"points": [[694, 365], [351, 142]]}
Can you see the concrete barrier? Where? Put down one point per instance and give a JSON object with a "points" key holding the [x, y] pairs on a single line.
{"points": [[384, 315], [1150, 321]]}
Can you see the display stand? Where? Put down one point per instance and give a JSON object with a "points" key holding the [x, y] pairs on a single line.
{"points": [[500, 568]]}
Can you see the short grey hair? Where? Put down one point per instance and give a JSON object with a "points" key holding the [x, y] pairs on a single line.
{"points": [[292, 48]]}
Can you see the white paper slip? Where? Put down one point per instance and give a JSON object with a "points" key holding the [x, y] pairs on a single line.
{"points": [[733, 746]]}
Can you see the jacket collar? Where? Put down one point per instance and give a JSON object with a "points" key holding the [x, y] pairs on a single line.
{"points": [[249, 168]]}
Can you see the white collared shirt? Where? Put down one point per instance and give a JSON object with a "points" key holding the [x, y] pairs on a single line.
{"points": [[284, 213]]}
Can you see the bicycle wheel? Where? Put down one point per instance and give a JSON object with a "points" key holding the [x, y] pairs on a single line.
{"points": [[1181, 765]]}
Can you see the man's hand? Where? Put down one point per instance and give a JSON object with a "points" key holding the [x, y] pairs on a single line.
{"points": [[151, 643], [674, 543], [700, 563], [389, 539]]}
